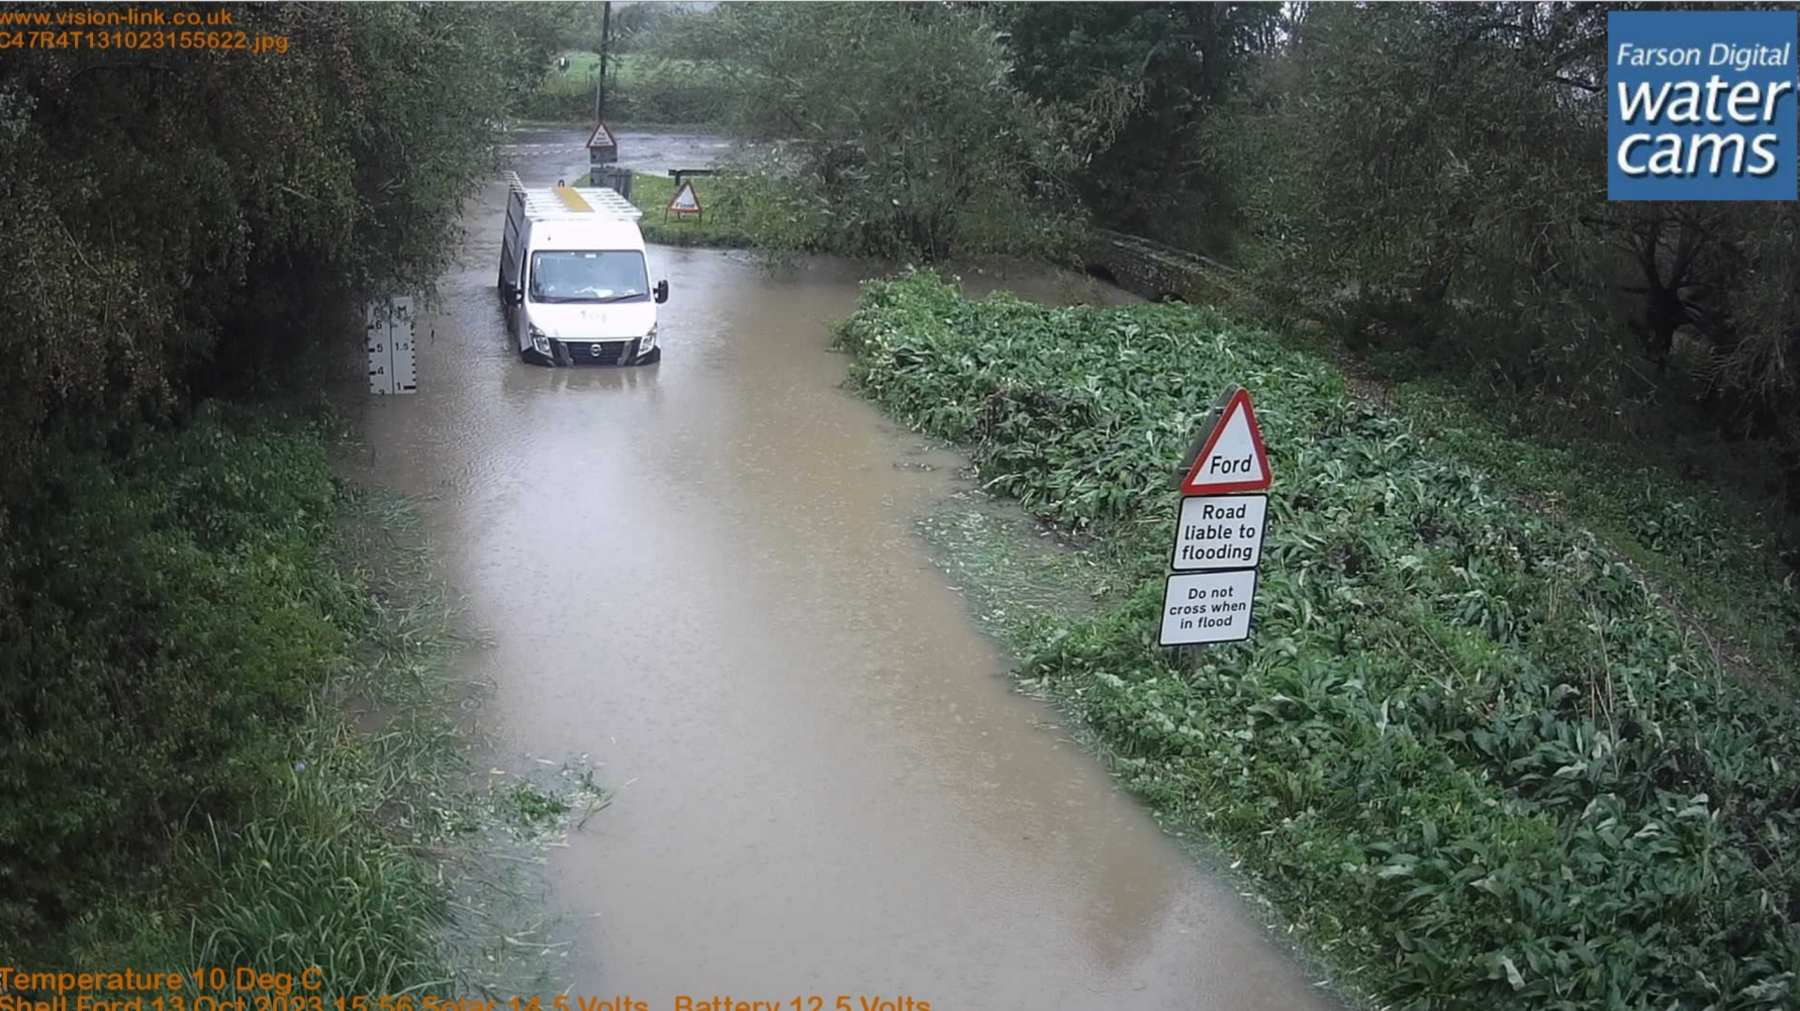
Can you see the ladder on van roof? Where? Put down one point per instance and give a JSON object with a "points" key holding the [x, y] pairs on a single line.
{"points": [[571, 203]]}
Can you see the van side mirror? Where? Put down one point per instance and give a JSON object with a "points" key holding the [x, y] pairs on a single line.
{"points": [[515, 296], [662, 291]]}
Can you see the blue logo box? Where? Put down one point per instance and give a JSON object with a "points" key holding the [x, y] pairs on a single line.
{"points": [[1701, 105]]}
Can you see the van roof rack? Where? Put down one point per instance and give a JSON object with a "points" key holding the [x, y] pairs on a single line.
{"points": [[573, 203]]}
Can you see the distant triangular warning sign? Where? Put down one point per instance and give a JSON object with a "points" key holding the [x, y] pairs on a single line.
{"points": [[1232, 457], [686, 201]]}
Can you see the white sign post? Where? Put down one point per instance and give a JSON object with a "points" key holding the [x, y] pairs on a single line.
{"points": [[1218, 537], [1220, 532], [1208, 607]]}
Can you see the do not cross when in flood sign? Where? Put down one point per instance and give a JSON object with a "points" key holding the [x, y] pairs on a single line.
{"points": [[1209, 595]]}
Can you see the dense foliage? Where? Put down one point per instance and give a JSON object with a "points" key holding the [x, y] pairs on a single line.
{"points": [[1149, 82], [1466, 749], [899, 132], [182, 784], [135, 689], [1472, 179], [1424, 184], [179, 227], [179, 223]]}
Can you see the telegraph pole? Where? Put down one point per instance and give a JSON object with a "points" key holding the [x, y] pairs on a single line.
{"points": [[605, 34]]}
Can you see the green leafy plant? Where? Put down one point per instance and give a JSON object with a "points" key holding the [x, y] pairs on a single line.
{"points": [[895, 131], [1467, 750]]}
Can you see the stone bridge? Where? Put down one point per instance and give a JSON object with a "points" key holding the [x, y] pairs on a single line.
{"points": [[1157, 272]]}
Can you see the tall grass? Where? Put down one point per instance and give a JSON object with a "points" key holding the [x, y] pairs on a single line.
{"points": [[1715, 553], [280, 836], [1466, 749]]}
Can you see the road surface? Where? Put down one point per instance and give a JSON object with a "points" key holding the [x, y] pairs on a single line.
{"points": [[704, 574]]}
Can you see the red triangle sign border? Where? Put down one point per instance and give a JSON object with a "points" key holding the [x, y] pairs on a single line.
{"points": [[687, 186], [1194, 484]]}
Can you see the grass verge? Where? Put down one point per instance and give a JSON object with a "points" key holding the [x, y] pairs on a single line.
{"points": [[642, 89], [723, 224], [1468, 751], [1696, 516], [1714, 556], [200, 634]]}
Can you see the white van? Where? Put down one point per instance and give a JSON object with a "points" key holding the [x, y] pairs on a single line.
{"points": [[574, 278]]}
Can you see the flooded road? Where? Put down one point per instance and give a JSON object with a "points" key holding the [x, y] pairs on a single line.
{"points": [[704, 574]]}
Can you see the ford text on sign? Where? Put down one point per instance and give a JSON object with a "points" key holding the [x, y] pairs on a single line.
{"points": [[1231, 457]]}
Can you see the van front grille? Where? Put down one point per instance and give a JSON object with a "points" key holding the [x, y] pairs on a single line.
{"points": [[595, 352]]}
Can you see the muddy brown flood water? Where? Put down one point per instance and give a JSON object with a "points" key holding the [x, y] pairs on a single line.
{"points": [[705, 575]]}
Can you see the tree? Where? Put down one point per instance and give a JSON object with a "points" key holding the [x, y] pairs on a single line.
{"points": [[1150, 77], [899, 132], [178, 224], [1410, 163], [1426, 178]]}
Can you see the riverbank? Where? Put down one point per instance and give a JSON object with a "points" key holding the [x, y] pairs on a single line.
{"points": [[1674, 503], [1670, 506], [240, 745], [1467, 751], [1698, 514]]}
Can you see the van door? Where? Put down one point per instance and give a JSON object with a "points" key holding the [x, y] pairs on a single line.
{"points": [[512, 239], [515, 314]]}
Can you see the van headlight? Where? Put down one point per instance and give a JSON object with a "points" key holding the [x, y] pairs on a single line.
{"points": [[538, 340], [647, 343]]}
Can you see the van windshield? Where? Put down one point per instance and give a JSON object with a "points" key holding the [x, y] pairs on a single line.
{"points": [[589, 276]]}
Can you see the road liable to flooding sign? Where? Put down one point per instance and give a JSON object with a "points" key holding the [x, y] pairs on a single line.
{"points": [[1207, 607], [1220, 532]]}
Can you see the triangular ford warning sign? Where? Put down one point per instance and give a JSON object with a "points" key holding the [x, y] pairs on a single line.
{"points": [[685, 201], [1232, 457]]}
